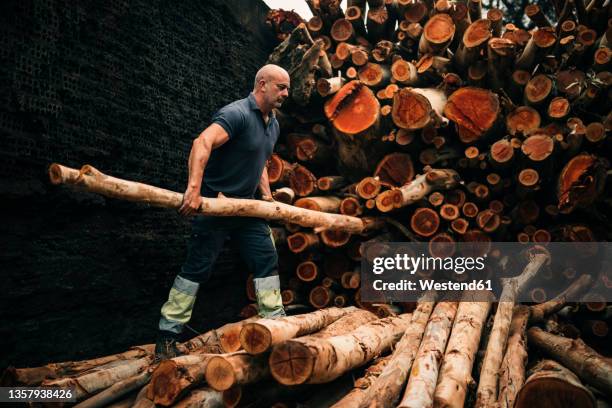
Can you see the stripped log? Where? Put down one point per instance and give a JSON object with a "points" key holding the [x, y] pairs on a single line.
{"points": [[98, 379], [116, 391], [455, 373], [34, 376], [221, 340], [358, 395], [386, 389], [512, 376], [93, 180], [258, 337], [489, 374], [316, 361], [417, 189], [541, 311], [424, 372]]}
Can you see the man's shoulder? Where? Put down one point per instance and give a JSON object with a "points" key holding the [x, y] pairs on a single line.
{"points": [[239, 104]]}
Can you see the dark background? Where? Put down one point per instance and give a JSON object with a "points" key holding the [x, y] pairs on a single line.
{"points": [[124, 86]]}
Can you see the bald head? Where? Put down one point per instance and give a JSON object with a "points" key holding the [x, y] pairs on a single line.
{"points": [[269, 72], [271, 87]]}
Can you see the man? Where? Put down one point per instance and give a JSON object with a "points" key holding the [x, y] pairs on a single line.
{"points": [[228, 159]]}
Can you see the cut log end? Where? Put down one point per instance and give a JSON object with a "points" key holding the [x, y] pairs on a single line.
{"points": [[163, 388], [255, 338], [524, 120], [538, 147], [411, 110], [220, 374], [291, 363], [353, 109], [425, 222], [474, 110]]}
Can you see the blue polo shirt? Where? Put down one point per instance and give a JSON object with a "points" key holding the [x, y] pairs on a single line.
{"points": [[235, 167]]}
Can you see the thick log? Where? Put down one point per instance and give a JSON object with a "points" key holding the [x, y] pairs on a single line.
{"points": [[588, 365], [474, 111], [512, 376], [417, 189], [221, 340], [394, 170], [258, 337], [354, 112], [329, 183], [500, 61], [455, 373], [116, 391], [342, 30], [357, 396], [385, 391], [424, 372], [34, 376], [93, 180], [172, 378], [316, 361], [552, 385], [415, 108], [489, 374], [93, 381], [538, 147], [302, 181], [580, 183], [538, 90], [474, 39], [437, 35], [540, 312], [541, 41], [225, 371]]}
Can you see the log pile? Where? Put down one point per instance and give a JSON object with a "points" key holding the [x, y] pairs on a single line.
{"points": [[408, 120]]}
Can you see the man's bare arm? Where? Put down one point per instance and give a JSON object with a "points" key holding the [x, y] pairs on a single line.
{"points": [[211, 138], [264, 186]]}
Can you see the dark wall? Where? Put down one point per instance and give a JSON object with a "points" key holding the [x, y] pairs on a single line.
{"points": [[124, 86]]}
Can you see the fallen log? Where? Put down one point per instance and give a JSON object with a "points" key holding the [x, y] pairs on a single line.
{"points": [[552, 385], [585, 362], [456, 371], [424, 372], [257, 337], [316, 361], [93, 180], [98, 379], [386, 389], [225, 371], [489, 374], [512, 376], [541, 311], [116, 391], [357, 396]]}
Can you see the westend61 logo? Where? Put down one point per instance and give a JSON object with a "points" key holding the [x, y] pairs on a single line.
{"points": [[411, 264], [404, 271]]}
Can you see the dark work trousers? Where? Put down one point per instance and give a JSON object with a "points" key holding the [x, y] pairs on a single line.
{"points": [[256, 246], [252, 235]]}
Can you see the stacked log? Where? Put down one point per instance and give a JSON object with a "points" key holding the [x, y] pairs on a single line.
{"points": [[409, 121]]}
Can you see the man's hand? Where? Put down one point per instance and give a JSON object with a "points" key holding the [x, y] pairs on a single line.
{"points": [[266, 197], [192, 200]]}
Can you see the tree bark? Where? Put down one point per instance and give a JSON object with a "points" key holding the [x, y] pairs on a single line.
{"points": [[97, 182], [489, 374], [257, 337], [316, 361], [386, 389], [456, 371], [591, 367], [424, 372], [552, 385], [512, 376]]}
